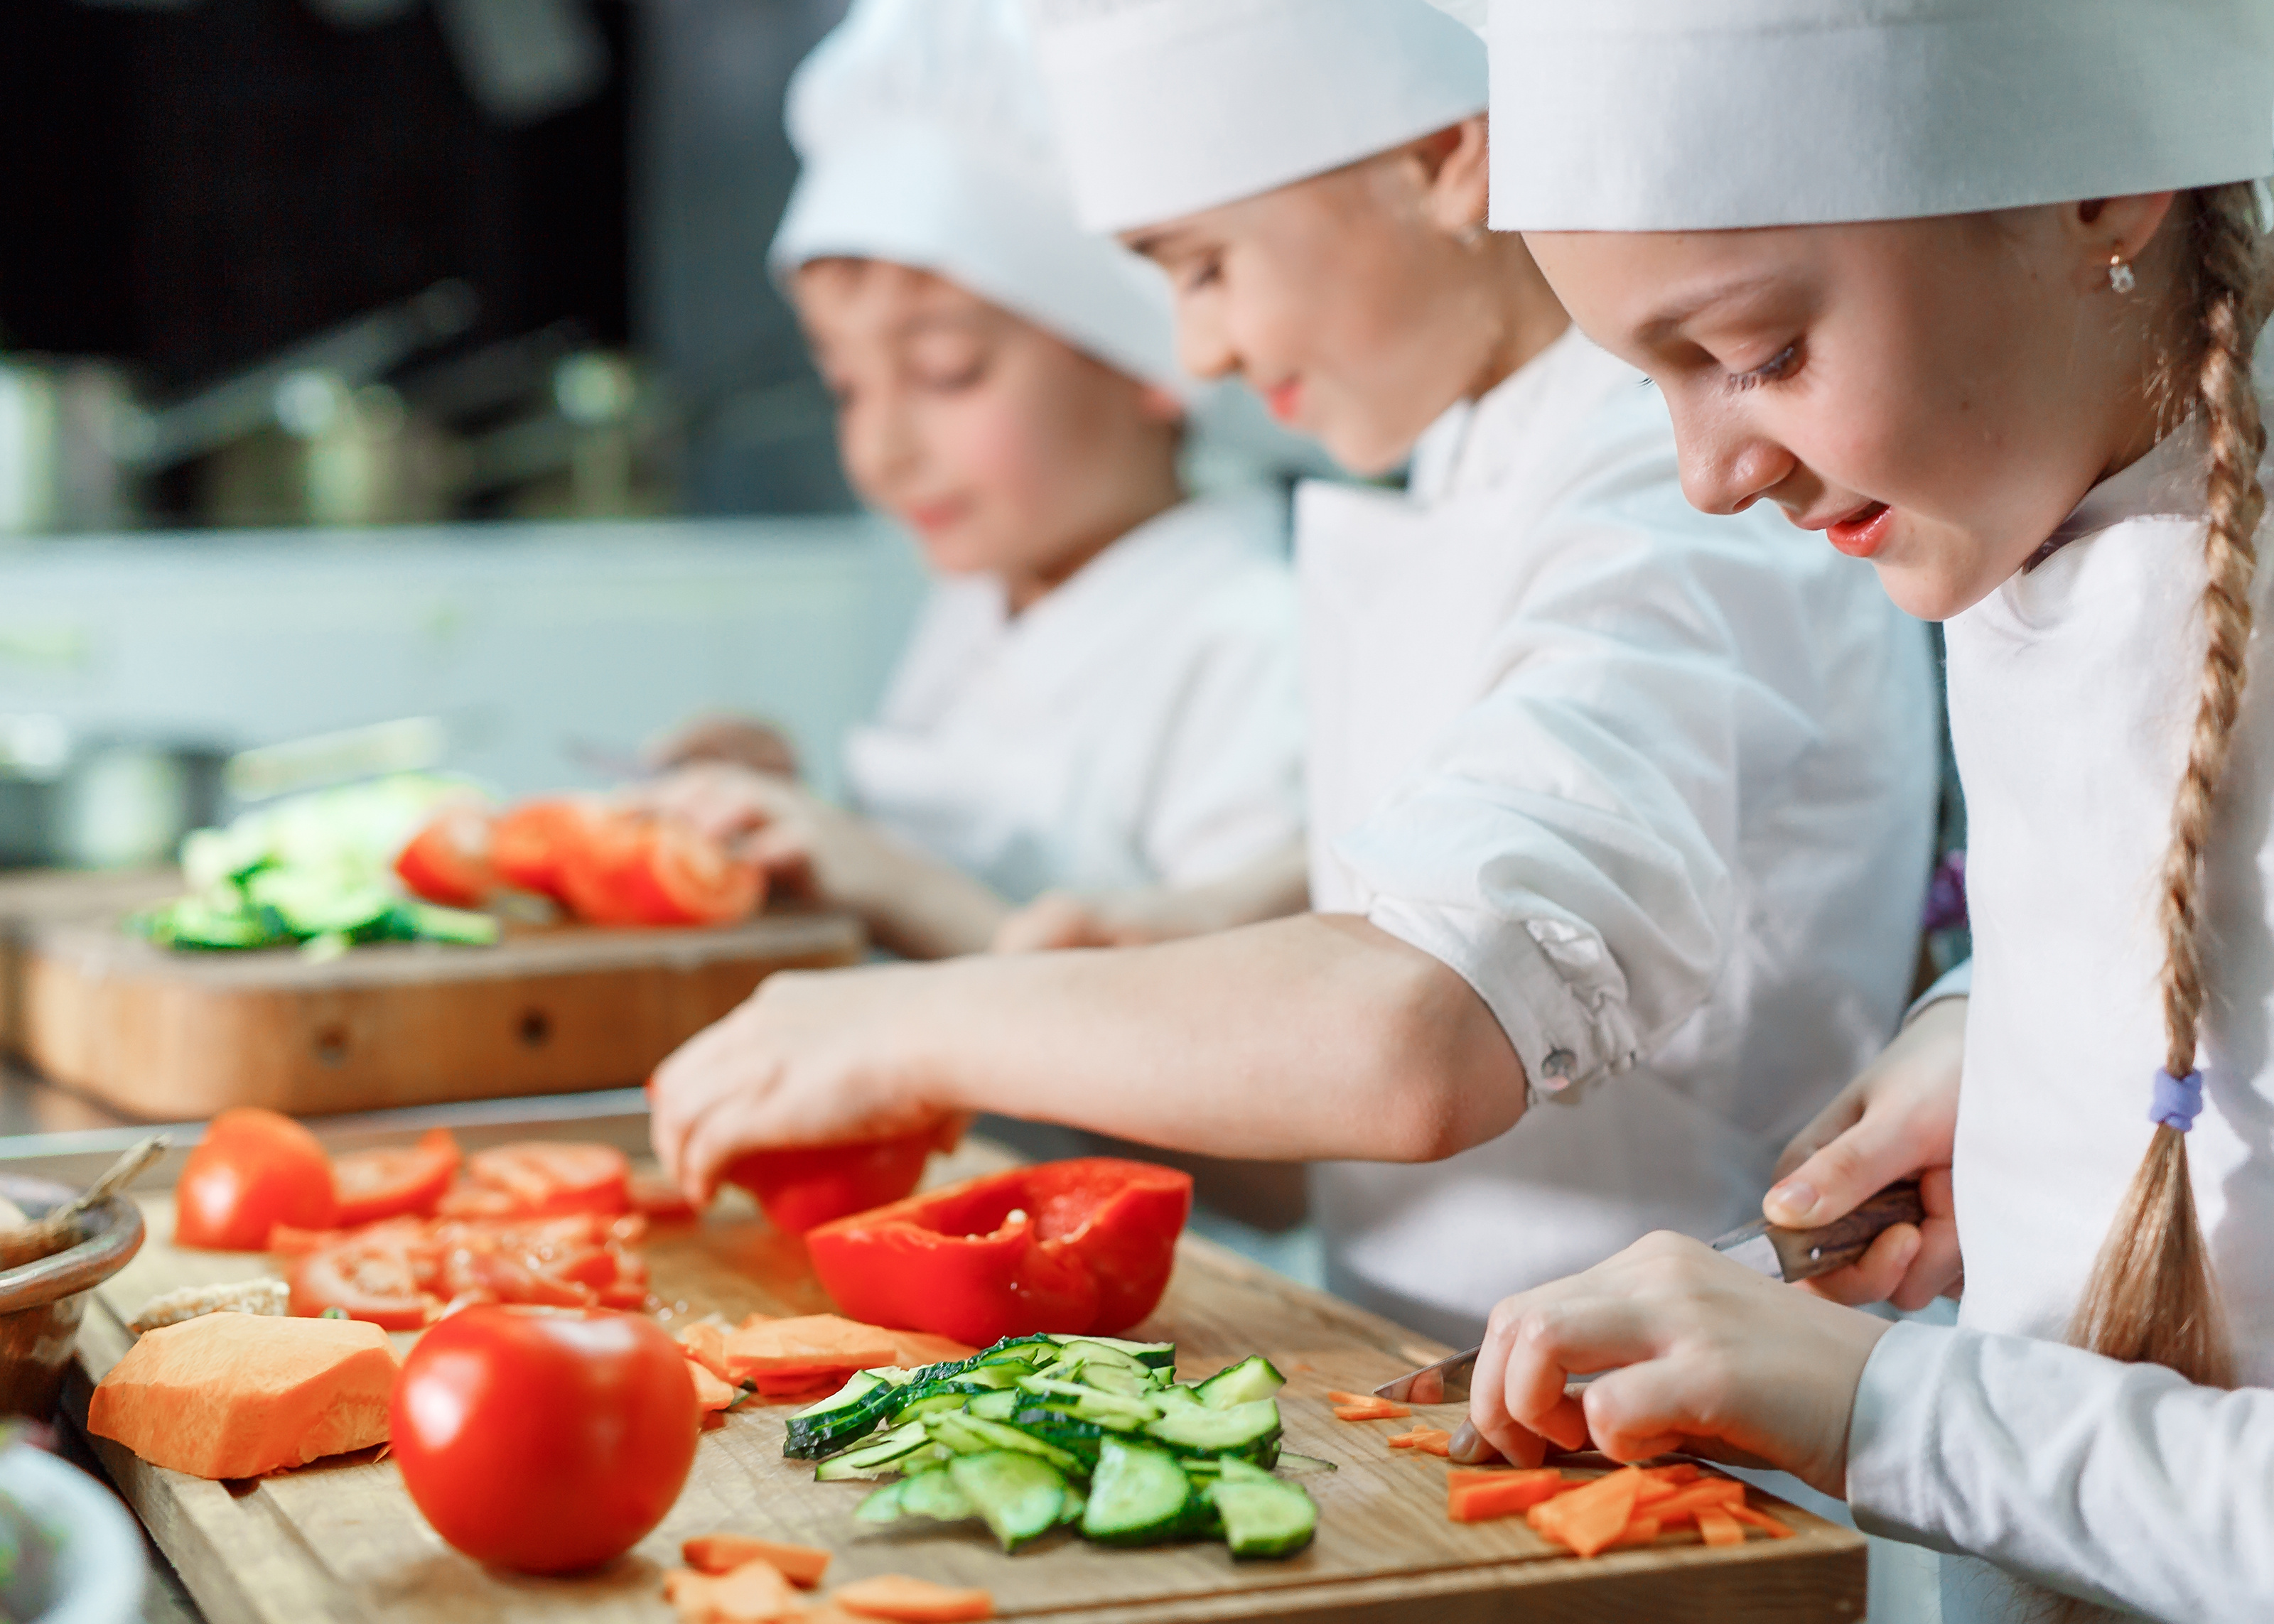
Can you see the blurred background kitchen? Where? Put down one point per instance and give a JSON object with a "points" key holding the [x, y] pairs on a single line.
{"points": [[363, 360]]}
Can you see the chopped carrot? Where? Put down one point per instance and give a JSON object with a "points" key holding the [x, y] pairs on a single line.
{"points": [[1677, 1474], [1590, 1517], [1356, 1398], [1708, 1494], [1420, 1438], [912, 1601], [1378, 1411], [1760, 1519], [754, 1593], [1486, 1495], [811, 1345], [1719, 1528], [709, 1392], [704, 1342], [1638, 1531], [718, 1553], [1439, 1443]]}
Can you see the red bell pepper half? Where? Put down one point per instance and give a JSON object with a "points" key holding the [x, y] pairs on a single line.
{"points": [[1082, 1247]]}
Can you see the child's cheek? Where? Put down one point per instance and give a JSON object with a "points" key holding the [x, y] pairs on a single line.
{"points": [[996, 443]]}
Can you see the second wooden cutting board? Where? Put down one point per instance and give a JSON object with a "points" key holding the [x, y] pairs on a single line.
{"points": [[168, 1035]]}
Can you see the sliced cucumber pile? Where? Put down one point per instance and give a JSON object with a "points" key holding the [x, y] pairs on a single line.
{"points": [[269, 906], [1038, 1431]]}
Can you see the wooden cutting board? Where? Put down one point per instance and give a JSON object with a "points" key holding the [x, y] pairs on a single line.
{"points": [[173, 1035], [341, 1540]]}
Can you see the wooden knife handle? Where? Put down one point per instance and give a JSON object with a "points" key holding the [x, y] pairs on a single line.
{"points": [[1806, 1253]]}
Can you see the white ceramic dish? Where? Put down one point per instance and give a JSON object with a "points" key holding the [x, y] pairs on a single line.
{"points": [[100, 1570]]}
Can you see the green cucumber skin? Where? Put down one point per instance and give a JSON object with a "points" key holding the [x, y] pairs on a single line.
{"points": [[1139, 1497], [1252, 1378], [1018, 1495]]}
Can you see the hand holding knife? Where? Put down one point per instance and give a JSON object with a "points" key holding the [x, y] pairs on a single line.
{"points": [[1791, 1255]]}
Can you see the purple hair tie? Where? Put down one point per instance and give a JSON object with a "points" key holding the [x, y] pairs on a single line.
{"points": [[2178, 1100]]}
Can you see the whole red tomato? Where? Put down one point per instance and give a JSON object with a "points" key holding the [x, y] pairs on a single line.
{"points": [[799, 1189], [253, 1170], [544, 1441]]}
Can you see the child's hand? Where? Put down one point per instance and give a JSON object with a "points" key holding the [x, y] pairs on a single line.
{"points": [[1699, 1354], [729, 740], [807, 846], [803, 1061], [1897, 1119], [1059, 919]]}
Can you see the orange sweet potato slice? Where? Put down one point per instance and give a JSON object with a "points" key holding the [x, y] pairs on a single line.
{"points": [[1719, 1528], [235, 1395], [709, 1390], [912, 1601], [719, 1554]]}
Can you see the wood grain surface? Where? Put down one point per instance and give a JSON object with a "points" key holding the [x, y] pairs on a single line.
{"points": [[167, 1034], [341, 1540]]}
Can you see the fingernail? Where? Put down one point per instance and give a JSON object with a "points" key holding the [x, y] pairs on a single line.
{"points": [[1469, 1446], [1791, 1202]]}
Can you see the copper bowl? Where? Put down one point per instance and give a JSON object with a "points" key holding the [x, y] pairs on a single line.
{"points": [[41, 1303]]}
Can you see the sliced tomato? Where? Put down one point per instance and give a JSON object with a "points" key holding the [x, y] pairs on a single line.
{"points": [[373, 1282], [543, 1178], [531, 844], [485, 1276], [448, 861], [254, 1169], [634, 869], [373, 1185]]}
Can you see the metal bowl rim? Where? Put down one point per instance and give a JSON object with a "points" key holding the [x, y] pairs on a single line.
{"points": [[117, 1237]]}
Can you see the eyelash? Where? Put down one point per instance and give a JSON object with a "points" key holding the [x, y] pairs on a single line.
{"points": [[1776, 369], [1210, 269]]}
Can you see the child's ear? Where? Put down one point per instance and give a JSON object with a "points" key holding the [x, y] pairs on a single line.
{"points": [[1456, 164], [2100, 228], [1159, 404]]}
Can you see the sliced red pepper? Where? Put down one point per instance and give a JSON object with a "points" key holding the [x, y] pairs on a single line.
{"points": [[1083, 1246], [801, 1188]]}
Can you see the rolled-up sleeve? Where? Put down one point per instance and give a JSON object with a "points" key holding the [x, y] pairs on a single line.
{"points": [[2122, 1484], [1570, 848]]}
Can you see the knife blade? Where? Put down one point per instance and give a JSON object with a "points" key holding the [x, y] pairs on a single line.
{"points": [[1791, 1255]]}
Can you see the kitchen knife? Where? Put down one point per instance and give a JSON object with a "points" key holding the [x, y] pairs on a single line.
{"points": [[1789, 1255]]}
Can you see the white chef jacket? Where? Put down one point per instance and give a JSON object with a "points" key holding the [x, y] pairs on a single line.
{"points": [[1659, 785], [2072, 695], [1140, 725]]}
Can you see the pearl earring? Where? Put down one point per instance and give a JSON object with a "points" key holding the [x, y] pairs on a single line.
{"points": [[2119, 274]]}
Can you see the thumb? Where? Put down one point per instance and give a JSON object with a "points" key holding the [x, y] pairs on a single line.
{"points": [[1837, 1179]]}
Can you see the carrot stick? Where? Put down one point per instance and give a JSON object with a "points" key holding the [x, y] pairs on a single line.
{"points": [[1439, 1443], [1760, 1519], [1590, 1517], [1355, 1398], [1501, 1494], [1639, 1531], [718, 1553], [1467, 1477], [1710, 1494], [1376, 1411], [1719, 1528], [1681, 1472], [913, 1601]]}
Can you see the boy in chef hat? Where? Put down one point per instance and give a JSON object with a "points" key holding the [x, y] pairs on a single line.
{"points": [[1621, 814], [1102, 692], [1975, 290]]}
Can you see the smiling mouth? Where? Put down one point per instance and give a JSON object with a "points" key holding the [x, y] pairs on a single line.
{"points": [[934, 517], [1863, 533]]}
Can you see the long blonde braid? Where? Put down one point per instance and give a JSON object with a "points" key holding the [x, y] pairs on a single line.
{"points": [[2152, 1296]]}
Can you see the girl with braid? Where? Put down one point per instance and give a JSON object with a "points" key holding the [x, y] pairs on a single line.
{"points": [[1974, 290]]}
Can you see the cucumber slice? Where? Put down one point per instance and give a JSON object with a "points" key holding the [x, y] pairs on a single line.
{"points": [[846, 1415], [1160, 1356], [1138, 1497], [1252, 1378], [1090, 1404], [1102, 1354], [1262, 1516], [1019, 1495], [1173, 1397], [883, 1506], [1002, 1406], [932, 1401], [875, 1459], [934, 1494], [970, 1434], [1121, 1381], [1251, 1430], [432, 922]]}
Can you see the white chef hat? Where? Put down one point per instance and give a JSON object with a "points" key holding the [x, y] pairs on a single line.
{"points": [[1696, 115], [1165, 106], [925, 140]]}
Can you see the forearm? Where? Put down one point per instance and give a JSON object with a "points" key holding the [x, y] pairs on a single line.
{"points": [[2119, 1482], [913, 903], [1317, 1037]]}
